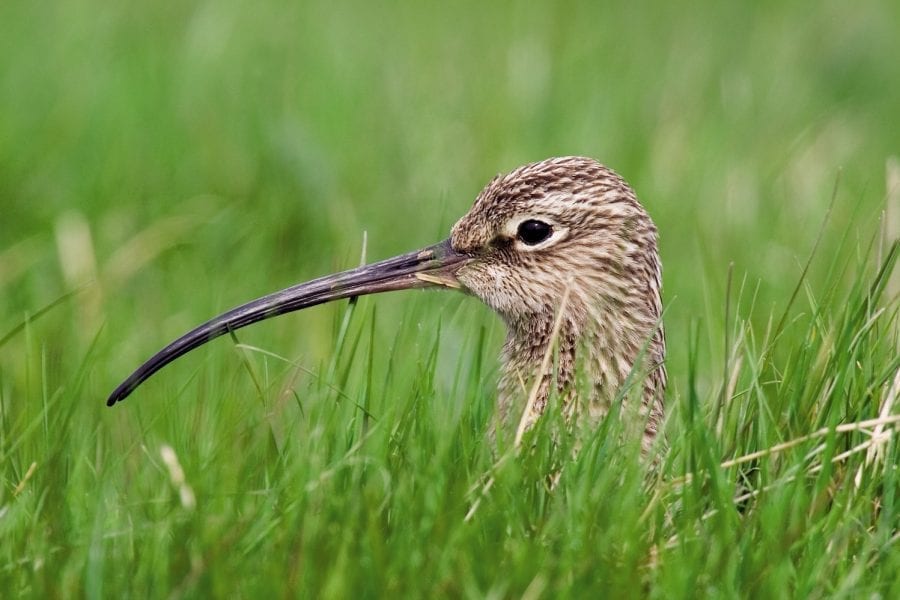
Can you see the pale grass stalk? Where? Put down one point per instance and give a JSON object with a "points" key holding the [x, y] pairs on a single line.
{"points": [[486, 487], [484, 491], [528, 415], [843, 428], [21, 485], [365, 248], [176, 475], [868, 444], [891, 229], [535, 589], [78, 262], [875, 453], [876, 440], [729, 390]]}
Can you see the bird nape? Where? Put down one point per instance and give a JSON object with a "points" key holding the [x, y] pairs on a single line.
{"points": [[561, 249]]}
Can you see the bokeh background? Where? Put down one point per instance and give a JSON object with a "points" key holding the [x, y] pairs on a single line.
{"points": [[170, 159], [185, 156]]}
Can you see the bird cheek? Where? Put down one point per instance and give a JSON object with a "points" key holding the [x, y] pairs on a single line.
{"points": [[488, 282], [502, 290], [475, 279]]}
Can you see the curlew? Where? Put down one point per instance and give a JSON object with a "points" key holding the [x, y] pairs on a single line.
{"points": [[562, 250]]}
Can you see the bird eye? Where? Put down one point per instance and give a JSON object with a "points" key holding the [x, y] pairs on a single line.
{"points": [[533, 232]]}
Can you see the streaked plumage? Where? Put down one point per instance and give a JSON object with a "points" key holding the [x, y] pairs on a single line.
{"points": [[604, 246]]}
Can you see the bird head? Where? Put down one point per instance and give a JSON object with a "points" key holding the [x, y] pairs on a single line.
{"points": [[563, 225]]}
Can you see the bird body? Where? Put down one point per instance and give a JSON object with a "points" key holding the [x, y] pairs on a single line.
{"points": [[562, 250]]}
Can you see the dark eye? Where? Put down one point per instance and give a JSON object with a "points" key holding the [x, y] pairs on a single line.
{"points": [[533, 232]]}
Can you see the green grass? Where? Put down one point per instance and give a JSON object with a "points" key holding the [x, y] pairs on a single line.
{"points": [[163, 161]]}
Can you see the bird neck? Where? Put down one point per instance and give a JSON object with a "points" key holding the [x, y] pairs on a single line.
{"points": [[605, 348]]}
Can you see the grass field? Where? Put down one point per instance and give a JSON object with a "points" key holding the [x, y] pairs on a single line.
{"points": [[163, 161]]}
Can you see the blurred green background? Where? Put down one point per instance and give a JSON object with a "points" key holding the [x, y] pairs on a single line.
{"points": [[198, 154], [171, 159], [209, 152]]}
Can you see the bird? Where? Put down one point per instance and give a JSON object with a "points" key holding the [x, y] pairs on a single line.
{"points": [[563, 252]]}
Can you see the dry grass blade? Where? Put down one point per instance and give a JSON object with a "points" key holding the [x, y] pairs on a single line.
{"points": [[843, 428], [529, 414], [875, 453]]}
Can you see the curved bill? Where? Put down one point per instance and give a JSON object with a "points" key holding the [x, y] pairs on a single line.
{"points": [[432, 266]]}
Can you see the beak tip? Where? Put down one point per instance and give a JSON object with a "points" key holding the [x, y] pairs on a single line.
{"points": [[118, 394]]}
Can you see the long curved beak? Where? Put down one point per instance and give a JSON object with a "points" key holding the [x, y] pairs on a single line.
{"points": [[432, 266]]}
